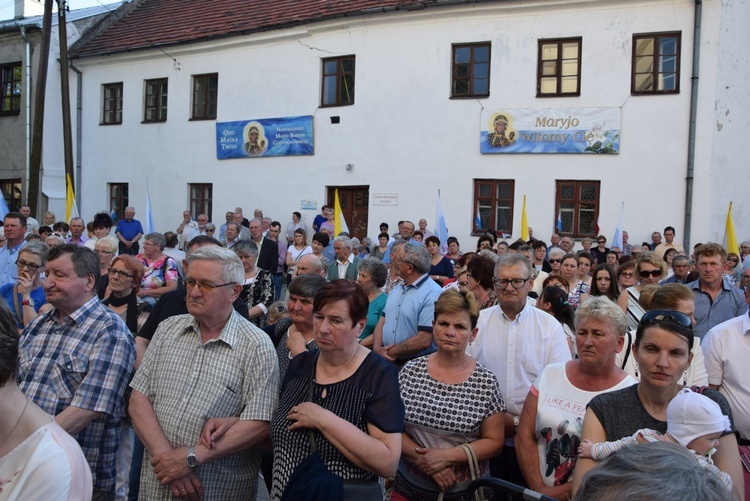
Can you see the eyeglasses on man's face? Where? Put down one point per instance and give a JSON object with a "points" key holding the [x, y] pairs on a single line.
{"points": [[205, 287], [517, 283]]}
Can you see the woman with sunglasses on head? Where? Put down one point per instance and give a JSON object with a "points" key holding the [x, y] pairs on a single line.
{"points": [[662, 350], [649, 270]]}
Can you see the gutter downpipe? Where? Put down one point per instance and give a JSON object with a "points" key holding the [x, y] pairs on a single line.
{"points": [[27, 105], [690, 174], [79, 134]]}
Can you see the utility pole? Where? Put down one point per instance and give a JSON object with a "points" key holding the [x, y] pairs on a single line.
{"points": [[32, 187], [65, 91]]}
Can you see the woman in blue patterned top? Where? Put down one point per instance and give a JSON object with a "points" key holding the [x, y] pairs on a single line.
{"points": [[449, 400]]}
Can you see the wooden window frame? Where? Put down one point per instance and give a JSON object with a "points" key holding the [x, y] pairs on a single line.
{"points": [[112, 104], [199, 202], [10, 89], [201, 108], [12, 190], [340, 76], [576, 200], [656, 37], [493, 201], [119, 198], [155, 90], [470, 78], [558, 67]]}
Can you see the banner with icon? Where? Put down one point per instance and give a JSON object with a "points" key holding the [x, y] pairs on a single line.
{"points": [[265, 137]]}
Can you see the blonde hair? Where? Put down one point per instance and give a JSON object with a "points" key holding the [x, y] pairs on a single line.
{"points": [[454, 301]]}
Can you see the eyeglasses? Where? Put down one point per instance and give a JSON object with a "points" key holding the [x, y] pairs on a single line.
{"points": [[210, 229], [122, 274], [31, 266], [601, 241], [652, 273], [626, 274], [463, 284], [101, 251], [517, 283], [657, 316], [555, 261], [205, 287], [733, 260]]}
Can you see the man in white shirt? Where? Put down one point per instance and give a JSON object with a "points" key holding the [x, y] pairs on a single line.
{"points": [[515, 341], [726, 351]]}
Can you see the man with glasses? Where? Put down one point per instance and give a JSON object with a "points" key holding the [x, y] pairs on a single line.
{"points": [[515, 341], [716, 301], [210, 364], [15, 234], [78, 359]]}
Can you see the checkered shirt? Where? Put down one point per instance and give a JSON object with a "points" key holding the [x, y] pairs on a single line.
{"points": [[188, 382], [84, 360]]}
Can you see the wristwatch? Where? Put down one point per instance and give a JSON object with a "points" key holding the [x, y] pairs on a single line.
{"points": [[29, 302], [515, 424], [192, 459]]}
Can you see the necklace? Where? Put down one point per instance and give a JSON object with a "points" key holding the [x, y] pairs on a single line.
{"points": [[18, 421]]}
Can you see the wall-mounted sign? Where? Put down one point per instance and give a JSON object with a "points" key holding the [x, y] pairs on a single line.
{"points": [[265, 137], [308, 204], [390, 199], [550, 130]]}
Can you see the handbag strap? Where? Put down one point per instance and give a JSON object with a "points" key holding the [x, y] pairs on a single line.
{"points": [[627, 351], [15, 302], [474, 471]]}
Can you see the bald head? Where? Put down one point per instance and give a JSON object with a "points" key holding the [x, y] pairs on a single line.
{"points": [[309, 264]]}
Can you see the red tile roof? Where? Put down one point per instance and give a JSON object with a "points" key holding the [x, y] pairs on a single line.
{"points": [[151, 23]]}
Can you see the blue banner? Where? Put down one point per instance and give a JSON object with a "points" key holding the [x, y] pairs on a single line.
{"points": [[265, 137]]}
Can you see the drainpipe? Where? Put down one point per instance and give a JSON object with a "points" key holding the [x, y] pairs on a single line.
{"points": [[690, 175], [27, 105], [79, 135]]}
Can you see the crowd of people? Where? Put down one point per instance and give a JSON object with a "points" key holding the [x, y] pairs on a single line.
{"points": [[196, 363]]}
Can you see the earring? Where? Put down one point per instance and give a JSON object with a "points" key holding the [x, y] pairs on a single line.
{"points": [[684, 378], [636, 370]]}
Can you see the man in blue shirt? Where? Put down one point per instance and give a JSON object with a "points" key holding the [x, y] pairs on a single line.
{"points": [[128, 232], [15, 233]]}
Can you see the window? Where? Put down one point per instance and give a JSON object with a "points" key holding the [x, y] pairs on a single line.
{"points": [[201, 199], [471, 70], [493, 202], [118, 198], [656, 64], [112, 108], [205, 96], [559, 68], [577, 205], [11, 192], [155, 108], [10, 82], [338, 81]]}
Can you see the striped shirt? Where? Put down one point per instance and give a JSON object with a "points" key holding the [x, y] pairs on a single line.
{"points": [[83, 360], [188, 382]]}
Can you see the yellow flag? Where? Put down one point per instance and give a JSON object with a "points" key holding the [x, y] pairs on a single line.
{"points": [[524, 222], [71, 210], [730, 237], [339, 223]]}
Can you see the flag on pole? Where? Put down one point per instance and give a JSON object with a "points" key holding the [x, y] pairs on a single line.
{"points": [[477, 220], [524, 222], [617, 238], [441, 230], [71, 209], [339, 223], [149, 212], [730, 237], [3, 206], [558, 223]]}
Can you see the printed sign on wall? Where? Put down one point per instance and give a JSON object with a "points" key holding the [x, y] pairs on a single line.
{"points": [[551, 130], [265, 137]]}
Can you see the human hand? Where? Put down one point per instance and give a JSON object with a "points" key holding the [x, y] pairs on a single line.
{"points": [[584, 450], [214, 429], [187, 487], [171, 465], [25, 283], [296, 343], [383, 352], [445, 479], [305, 415], [431, 461]]}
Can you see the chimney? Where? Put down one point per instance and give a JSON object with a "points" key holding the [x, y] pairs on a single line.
{"points": [[29, 8]]}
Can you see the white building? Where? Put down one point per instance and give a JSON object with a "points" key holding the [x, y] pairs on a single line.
{"points": [[400, 132]]}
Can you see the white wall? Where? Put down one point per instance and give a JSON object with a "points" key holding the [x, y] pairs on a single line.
{"points": [[403, 134]]}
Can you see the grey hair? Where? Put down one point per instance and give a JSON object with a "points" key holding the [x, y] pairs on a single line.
{"points": [[156, 238], [108, 243], [245, 247], [307, 285], [509, 260], [602, 308], [210, 226], [672, 473], [38, 248], [53, 236], [232, 270], [356, 243], [345, 241], [489, 254], [396, 245], [376, 268], [367, 242], [680, 257], [418, 256], [237, 226], [555, 252]]}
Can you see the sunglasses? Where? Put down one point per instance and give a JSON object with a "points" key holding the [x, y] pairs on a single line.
{"points": [[658, 316], [555, 261], [652, 273]]}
